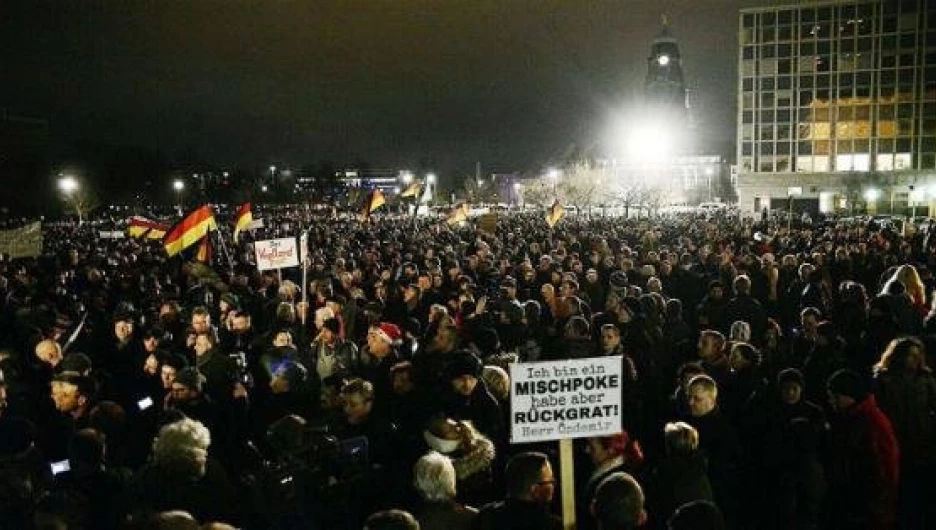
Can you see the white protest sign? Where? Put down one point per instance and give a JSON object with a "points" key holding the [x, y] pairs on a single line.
{"points": [[276, 253], [558, 400], [111, 234], [255, 224]]}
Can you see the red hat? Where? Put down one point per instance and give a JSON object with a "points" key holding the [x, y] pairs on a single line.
{"points": [[390, 333]]}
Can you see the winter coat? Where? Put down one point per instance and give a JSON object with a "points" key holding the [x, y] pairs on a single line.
{"points": [[909, 401], [864, 467], [677, 480]]}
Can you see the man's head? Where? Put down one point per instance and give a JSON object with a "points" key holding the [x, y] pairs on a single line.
{"points": [[463, 372], [391, 520], [680, 438], [702, 395], [610, 337], [845, 389], [530, 478], [790, 383], [809, 320], [72, 394], [170, 366], [123, 328], [204, 342], [381, 338], [711, 345], [49, 352], [742, 285], [240, 323], [331, 328], [358, 398], [201, 320], [434, 477], [187, 385], [618, 503]]}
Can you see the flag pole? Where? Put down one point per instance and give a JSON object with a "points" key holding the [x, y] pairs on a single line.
{"points": [[224, 250], [304, 252]]}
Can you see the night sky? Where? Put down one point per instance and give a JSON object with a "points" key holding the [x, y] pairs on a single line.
{"points": [[440, 84]]}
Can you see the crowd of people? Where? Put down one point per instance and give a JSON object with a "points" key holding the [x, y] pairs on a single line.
{"points": [[774, 377]]}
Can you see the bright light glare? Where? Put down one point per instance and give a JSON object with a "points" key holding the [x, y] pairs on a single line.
{"points": [[872, 194], [663, 60], [263, 188], [407, 177], [649, 143], [68, 184], [553, 173], [178, 185], [431, 178]]}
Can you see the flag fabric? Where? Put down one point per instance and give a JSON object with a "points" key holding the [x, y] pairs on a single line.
{"points": [[555, 214], [242, 220], [414, 190], [458, 214], [204, 250], [190, 230], [375, 199], [24, 242], [141, 227]]}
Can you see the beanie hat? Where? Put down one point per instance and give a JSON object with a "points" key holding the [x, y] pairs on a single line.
{"points": [[175, 360], [76, 362], [847, 383], [791, 375], [618, 280], [464, 363], [332, 324], [190, 378], [390, 333], [487, 340], [231, 299]]}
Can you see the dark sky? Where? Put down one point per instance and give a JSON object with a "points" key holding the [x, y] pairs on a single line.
{"points": [[510, 83]]}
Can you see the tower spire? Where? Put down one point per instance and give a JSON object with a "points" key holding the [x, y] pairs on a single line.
{"points": [[664, 20]]}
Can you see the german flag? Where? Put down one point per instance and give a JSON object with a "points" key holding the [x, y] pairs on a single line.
{"points": [[141, 227], [458, 214], [555, 213], [242, 220], [375, 199], [190, 230], [414, 190], [204, 250]]}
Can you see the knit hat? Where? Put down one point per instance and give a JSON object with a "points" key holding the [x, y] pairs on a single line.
{"points": [[190, 378], [790, 375], [618, 281], [76, 362], [231, 299], [464, 363], [390, 333], [847, 383], [332, 324]]}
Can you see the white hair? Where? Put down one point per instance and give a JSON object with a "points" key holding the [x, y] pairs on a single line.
{"points": [[435, 477], [183, 445]]}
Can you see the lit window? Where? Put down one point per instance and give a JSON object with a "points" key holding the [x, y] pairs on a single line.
{"points": [[821, 163], [844, 162], [862, 162], [885, 162], [901, 161]]}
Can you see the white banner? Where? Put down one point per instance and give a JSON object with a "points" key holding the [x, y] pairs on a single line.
{"points": [[24, 242], [555, 400], [255, 224], [111, 234], [276, 253]]}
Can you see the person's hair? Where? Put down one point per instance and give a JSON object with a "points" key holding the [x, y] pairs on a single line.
{"points": [[359, 386], [209, 337], [285, 312], [740, 331], [497, 381], [391, 520], [908, 276], [434, 477], [715, 335], [84, 385], [611, 327], [897, 352], [577, 326], [201, 311], [523, 472], [183, 446], [742, 284], [619, 502], [87, 447], [622, 444], [680, 438], [697, 515], [748, 352], [705, 382], [811, 311]]}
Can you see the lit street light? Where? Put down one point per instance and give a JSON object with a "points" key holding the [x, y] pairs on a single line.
{"points": [[70, 187], [178, 186], [68, 184]]}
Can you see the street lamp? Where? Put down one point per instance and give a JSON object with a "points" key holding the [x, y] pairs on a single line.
{"points": [[68, 184], [178, 186]]}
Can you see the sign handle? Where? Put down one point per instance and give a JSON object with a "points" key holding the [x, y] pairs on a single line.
{"points": [[567, 480]]}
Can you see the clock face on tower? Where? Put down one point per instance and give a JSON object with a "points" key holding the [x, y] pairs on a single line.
{"points": [[663, 60]]}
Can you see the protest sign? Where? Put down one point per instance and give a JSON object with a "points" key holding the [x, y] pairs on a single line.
{"points": [[111, 234], [276, 253], [24, 242], [559, 400]]}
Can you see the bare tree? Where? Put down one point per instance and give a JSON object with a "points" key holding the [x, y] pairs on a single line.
{"points": [[82, 201]]}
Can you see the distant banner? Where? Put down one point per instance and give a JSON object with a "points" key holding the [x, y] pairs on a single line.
{"points": [[556, 400], [488, 223], [255, 224], [276, 253], [25, 242], [111, 234]]}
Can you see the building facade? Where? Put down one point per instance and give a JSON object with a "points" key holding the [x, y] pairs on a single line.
{"points": [[837, 105]]}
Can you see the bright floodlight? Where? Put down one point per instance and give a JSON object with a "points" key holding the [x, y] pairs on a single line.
{"points": [[663, 60], [553, 173], [272, 169], [68, 184], [263, 188], [178, 185], [517, 186], [407, 177], [649, 143], [431, 178], [872, 194], [396, 189]]}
